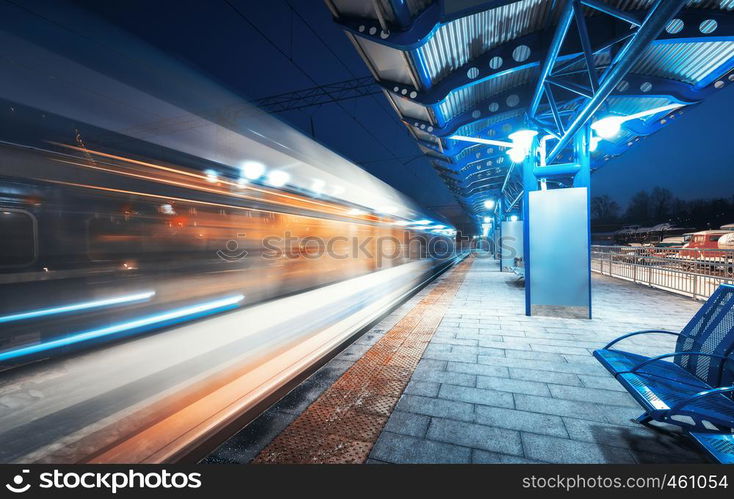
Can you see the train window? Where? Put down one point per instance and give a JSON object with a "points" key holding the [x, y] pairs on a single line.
{"points": [[714, 238], [18, 246]]}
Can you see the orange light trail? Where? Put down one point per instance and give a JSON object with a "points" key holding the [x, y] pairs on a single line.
{"points": [[172, 182], [170, 198], [190, 174], [331, 208]]}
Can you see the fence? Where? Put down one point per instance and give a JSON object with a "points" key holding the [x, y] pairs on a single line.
{"points": [[691, 272]]}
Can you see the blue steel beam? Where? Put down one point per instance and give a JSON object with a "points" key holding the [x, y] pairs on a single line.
{"points": [[588, 52], [689, 26], [554, 49], [423, 26], [629, 17], [603, 35], [570, 86], [661, 87], [420, 29], [557, 170], [492, 183], [554, 109], [610, 148], [469, 171], [450, 154], [401, 13], [559, 69], [652, 26]]}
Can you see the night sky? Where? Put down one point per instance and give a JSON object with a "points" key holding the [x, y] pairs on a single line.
{"points": [[693, 156], [259, 49]]}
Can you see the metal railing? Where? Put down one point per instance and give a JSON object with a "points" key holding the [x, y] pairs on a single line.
{"points": [[691, 272]]}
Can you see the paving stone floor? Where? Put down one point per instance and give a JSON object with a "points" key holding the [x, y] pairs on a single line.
{"points": [[495, 386]]}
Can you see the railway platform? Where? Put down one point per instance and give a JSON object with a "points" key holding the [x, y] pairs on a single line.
{"points": [[458, 374]]}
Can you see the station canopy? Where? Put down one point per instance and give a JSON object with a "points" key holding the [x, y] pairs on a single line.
{"points": [[481, 69]]}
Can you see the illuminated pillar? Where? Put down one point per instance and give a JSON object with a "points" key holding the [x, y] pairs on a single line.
{"points": [[499, 216], [582, 151], [557, 236], [529, 184]]}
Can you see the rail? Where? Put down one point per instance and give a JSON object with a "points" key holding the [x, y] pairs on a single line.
{"points": [[691, 272]]}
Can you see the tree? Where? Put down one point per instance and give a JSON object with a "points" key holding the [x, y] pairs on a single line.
{"points": [[661, 204], [638, 210], [604, 209]]}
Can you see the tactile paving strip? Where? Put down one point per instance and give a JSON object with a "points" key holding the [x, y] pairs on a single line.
{"points": [[343, 424]]}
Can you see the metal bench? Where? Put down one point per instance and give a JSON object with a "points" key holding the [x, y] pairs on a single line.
{"points": [[719, 446], [519, 272], [695, 390]]}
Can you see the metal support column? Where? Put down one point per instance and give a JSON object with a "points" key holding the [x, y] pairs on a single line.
{"points": [[582, 152], [530, 184], [499, 217]]}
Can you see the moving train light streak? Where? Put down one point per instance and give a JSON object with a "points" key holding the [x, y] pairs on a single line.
{"points": [[129, 215], [77, 306], [208, 178], [171, 317]]}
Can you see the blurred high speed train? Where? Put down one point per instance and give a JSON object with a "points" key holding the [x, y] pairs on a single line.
{"points": [[96, 245], [105, 239], [92, 240], [136, 193]]}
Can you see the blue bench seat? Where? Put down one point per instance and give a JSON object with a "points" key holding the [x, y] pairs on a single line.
{"points": [[719, 446], [693, 386]]}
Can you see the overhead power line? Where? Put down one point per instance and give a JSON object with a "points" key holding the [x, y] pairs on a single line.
{"points": [[318, 95]]}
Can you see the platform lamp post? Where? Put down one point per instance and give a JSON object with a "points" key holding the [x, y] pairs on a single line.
{"points": [[530, 183], [582, 152], [499, 216]]}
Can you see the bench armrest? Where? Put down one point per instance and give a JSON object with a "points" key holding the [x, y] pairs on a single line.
{"points": [[647, 331], [673, 354], [714, 391]]}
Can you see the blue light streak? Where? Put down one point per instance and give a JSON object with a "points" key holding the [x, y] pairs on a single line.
{"points": [[78, 306], [173, 316]]}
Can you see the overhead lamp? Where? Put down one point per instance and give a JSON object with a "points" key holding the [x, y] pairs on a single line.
{"points": [[517, 155], [278, 178], [609, 127], [521, 142], [513, 218], [489, 203], [523, 139], [252, 170]]}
